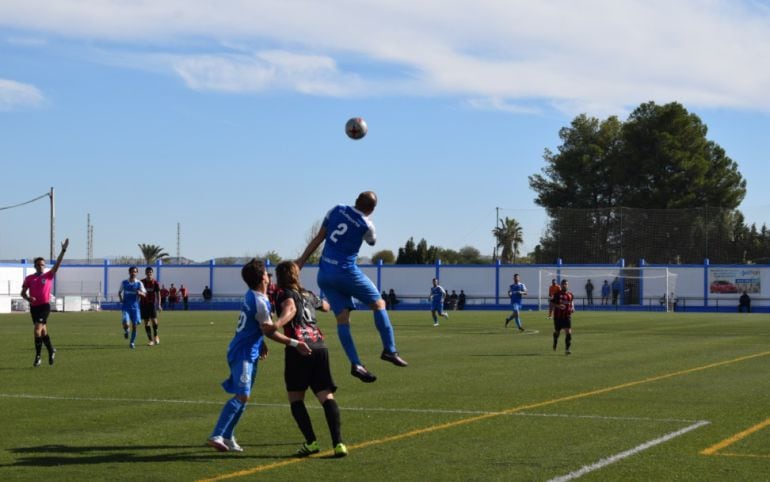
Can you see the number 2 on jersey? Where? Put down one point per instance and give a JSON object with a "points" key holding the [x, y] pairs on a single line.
{"points": [[341, 229]]}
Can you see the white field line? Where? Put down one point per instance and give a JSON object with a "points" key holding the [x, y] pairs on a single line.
{"points": [[628, 453], [358, 409]]}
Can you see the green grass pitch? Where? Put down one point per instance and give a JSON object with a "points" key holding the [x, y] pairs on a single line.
{"points": [[644, 396]]}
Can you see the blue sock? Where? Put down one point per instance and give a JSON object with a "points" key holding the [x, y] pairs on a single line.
{"points": [[133, 336], [382, 322], [343, 332], [226, 417], [435, 318], [518, 322], [228, 433]]}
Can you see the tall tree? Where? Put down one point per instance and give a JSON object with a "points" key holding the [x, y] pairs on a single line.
{"points": [[612, 187], [152, 253], [420, 253], [508, 236]]}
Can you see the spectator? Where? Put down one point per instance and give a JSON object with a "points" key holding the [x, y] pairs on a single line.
{"points": [[461, 300], [744, 303], [185, 295], [453, 300], [387, 300], [671, 300], [589, 292], [272, 290], [392, 299], [605, 293], [207, 294], [172, 297], [164, 297], [615, 291]]}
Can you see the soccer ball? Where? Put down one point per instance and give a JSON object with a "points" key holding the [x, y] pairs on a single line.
{"points": [[356, 128]]}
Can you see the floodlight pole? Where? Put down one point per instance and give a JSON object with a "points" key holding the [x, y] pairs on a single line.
{"points": [[53, 225]]}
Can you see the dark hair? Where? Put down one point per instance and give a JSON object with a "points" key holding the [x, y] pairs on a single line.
{"points": [[148, 269], [39, 258], [366, 202], [253, 272], [131, 268], [287, 273]]}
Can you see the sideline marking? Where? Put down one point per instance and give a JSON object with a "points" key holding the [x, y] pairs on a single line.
{"points": [[731, 440], [478, 418], [28, 396], [627, 453]]}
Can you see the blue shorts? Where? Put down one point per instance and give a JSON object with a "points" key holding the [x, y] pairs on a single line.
{"points": [[242, 375], [515, 306], [437, 306], [132, 315], [340, 287]]}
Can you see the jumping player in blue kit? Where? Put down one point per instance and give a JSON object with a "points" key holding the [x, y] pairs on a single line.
{"points": [[244, 351], [343, 230], [130, 291]]}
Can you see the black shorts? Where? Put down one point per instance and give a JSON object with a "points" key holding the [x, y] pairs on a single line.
{"points": [[301, 372], [40, 313], [562, 324], [149, 312]]}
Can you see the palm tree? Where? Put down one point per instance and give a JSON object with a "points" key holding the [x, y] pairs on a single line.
{"points": [[151, 252], [509, 236]]}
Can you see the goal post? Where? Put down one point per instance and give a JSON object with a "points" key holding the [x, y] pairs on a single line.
{"points": [[650, 286]]}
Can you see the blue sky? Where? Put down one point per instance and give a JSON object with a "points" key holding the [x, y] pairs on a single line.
{"points": [[228, 117]]}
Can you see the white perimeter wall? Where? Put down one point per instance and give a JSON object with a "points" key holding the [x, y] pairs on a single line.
{"points": [[410, 282]]}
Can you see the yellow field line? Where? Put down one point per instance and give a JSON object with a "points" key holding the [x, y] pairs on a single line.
{"points": [[465, 421], [731, 440], [750, 456]]}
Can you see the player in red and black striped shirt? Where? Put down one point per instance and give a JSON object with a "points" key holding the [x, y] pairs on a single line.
{"points": [[150, 305], [562, 315]]}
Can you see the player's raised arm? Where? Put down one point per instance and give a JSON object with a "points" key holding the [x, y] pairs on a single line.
{"points": [[64, 246], [311, 247]]}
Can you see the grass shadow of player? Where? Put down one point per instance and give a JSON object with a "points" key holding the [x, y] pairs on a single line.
{"points": [[64, 455]]}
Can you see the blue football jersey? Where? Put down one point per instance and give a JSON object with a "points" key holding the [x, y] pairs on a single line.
{"points": [[516, 291], [437, 293], [130, 291], [346, 228], [248, 338]]}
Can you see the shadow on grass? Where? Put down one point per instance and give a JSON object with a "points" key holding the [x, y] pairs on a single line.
{"points": [[63, 455]]}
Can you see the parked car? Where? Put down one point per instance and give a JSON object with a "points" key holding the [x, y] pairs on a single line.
{"points": [[722, 286]]}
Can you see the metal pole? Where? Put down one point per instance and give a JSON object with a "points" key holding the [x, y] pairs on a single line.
{"points": [[497, 225], [53, 225]]}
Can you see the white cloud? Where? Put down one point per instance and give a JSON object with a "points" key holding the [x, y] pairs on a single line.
{"points": [[598, 54], [15, 94], [277, 70]]}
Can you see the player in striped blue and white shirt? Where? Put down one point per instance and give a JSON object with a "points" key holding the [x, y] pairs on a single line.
{"points": [[343, 231], [437, 296]]}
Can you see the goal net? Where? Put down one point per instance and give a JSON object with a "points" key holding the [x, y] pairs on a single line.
{"points": [[652, 287]]}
